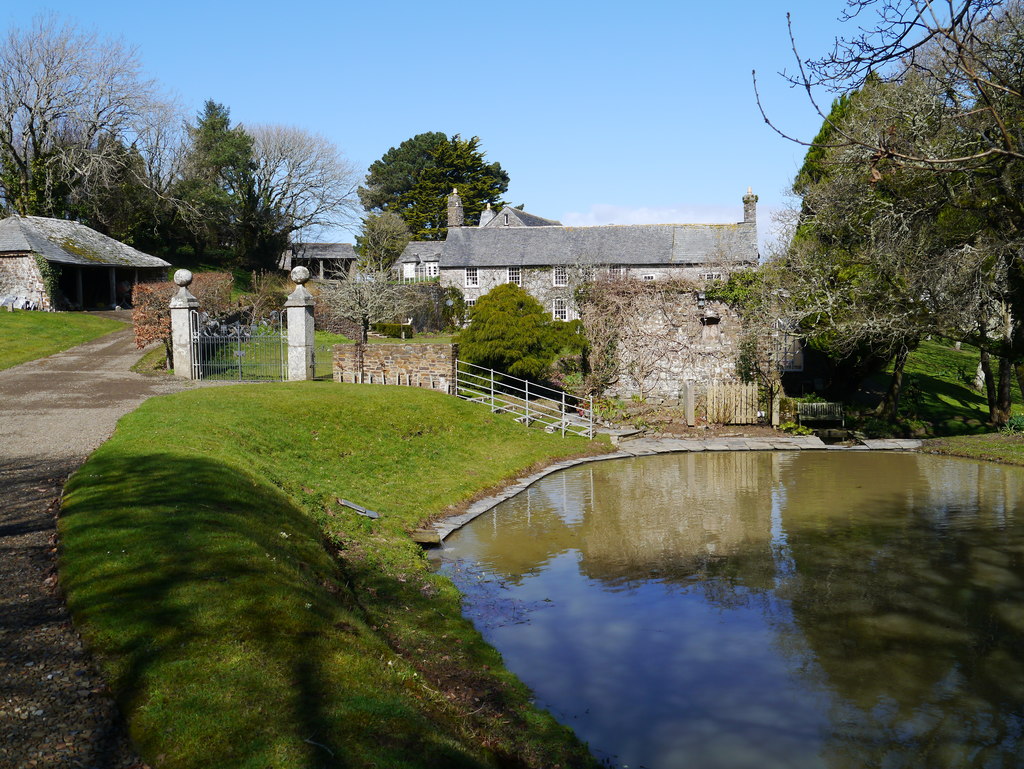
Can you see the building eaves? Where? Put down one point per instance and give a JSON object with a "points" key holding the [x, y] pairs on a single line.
{"points": [[67, 242]]}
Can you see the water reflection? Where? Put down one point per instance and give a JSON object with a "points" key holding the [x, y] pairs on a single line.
{"points": [[765, 609]]}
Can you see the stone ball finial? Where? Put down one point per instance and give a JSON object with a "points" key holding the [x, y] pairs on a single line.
{"points": [[299, 275], [183, 277]]}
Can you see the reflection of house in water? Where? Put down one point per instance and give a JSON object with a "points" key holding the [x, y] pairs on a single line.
{"points": [[323, 260], [677, 518], [682, 518]]}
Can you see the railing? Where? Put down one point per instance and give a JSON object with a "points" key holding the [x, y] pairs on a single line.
{"points": [[531, 404]]}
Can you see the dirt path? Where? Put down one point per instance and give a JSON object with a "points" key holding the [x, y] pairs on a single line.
{"points": [[55, 710]]}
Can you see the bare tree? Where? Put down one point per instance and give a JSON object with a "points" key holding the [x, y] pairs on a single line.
{"points": [[69, 102], [369, 296], [303, 177]]}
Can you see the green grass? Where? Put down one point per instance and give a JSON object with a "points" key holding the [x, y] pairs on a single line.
{"points": [[246, 619], [993, 447], [937, 392], [26, 336], [324, 337]]}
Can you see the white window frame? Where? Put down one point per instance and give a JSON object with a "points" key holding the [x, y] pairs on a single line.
{"points": [[517, 272], [650, 276], [472, 277], [470, 303], [560, 308], [616, 271], [560, 276], [711, 276]]}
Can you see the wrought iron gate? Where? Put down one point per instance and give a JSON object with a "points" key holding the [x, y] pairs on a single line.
{"points": [[237, 351]]}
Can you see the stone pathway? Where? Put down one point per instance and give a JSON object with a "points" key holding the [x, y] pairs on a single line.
{"points": [[55, 709], [646, 446]]}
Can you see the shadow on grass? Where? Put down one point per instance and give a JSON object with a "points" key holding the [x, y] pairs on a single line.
{"points": [[226, 629]]}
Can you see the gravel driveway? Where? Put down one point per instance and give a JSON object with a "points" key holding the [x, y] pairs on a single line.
{"points": [[55, 710]]}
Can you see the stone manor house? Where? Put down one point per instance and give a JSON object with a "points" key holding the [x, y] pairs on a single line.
{"points": [[694, 340]]}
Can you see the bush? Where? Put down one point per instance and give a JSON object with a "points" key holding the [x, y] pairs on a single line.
{"points": [[1014, 425], [510, 331], [792, 428], [394, 330]]}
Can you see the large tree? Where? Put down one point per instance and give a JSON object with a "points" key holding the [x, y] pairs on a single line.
{"points": [[413, 180], [71, 103], [930, 175]]}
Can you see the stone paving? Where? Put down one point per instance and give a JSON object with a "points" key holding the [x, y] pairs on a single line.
{"points": [[648, 446]]}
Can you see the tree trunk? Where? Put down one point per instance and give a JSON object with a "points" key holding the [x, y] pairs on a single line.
{"points": [[890, 403], [1004, 396]]}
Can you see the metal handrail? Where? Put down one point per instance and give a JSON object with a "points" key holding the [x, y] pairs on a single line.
{"points": [[534, 404]]}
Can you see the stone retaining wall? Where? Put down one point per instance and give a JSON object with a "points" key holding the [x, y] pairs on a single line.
{"points": [[412, 365]]}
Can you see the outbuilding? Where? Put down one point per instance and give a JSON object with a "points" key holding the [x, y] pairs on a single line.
{"points": [[51, 264]]}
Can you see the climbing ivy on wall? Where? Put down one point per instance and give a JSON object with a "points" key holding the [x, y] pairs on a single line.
{"points": [[50, 273]]}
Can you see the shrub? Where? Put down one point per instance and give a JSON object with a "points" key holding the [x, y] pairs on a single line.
{"points": [[1014, 425], [394, 330], [792, 428]]}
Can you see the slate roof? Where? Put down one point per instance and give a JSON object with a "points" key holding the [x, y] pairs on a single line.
{"points": [[66, 242], [517, 218], [417, 251], [323, 251], [636, 244]]}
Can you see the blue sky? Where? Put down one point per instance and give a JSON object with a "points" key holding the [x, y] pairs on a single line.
{"points": [[601, 112]]}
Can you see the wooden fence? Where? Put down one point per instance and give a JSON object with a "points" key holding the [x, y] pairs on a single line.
{"points": [[731, 404]]}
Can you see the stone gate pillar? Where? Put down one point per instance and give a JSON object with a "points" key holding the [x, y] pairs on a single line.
{"points": [[300, 327], [181, 306]]}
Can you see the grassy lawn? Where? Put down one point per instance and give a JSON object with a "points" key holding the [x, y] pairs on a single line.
{"points": [[938, 396], [993, 447], [324, 337], [246, 619], [26, 336]]}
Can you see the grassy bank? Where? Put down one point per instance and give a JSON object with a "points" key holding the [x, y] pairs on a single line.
{"points": [[993, 447], [246, 619], [26, 336]]}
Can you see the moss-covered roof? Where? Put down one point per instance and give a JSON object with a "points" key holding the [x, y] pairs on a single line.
{"points": [[66, 242]]}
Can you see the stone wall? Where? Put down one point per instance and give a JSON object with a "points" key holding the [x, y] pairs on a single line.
{"points": [[412, 365], [664, 347], [20, 277]]}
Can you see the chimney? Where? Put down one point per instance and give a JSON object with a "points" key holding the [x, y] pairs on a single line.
{"points": [[454, 209], [486, 215], [750, 207]]}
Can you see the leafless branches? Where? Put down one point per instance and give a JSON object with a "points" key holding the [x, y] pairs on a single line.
{"points": [[303, 176], [69, 104]]}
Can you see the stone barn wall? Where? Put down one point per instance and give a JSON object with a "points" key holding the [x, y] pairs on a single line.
{"points": [[413, 365], [20, 276]]}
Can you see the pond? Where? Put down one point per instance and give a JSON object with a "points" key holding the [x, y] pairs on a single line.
{"points": [[764, 609]]}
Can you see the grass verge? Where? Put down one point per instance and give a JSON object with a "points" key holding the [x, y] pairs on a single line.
{"points": [[246, 619], [994, 447], [26, 336]]}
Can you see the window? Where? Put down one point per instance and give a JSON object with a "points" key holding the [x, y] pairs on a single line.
{"points": [[616, 271], [561, 276], [710, 276], [433, 269], [560, 309], [515, 276], [470, 303], [472, 277], [650, 277]]}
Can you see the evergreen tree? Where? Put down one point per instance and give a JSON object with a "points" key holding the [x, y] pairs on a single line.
{"points": [[510, 331], [219, 171], [414, 179]]}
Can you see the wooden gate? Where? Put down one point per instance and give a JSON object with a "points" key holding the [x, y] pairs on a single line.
{"points": [[731, 404]]}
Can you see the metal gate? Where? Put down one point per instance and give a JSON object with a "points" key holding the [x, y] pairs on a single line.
{"points": [[241, 352]]}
